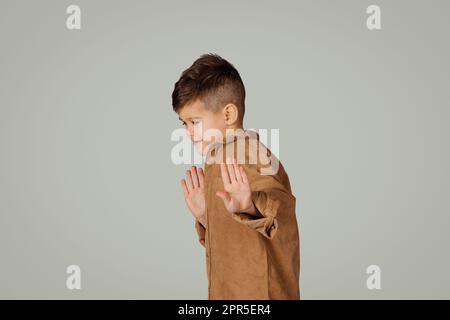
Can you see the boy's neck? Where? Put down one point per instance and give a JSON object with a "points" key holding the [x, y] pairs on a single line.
{"points": [[232, 130]]}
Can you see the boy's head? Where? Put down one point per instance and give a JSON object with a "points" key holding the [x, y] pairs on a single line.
{"points": [[210, 94]]}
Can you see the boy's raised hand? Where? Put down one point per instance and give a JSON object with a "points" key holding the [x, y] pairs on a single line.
{"points": [[237, 196], [194, 193]]}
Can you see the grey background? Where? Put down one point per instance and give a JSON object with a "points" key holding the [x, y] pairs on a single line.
{"points": [[85, 121]]}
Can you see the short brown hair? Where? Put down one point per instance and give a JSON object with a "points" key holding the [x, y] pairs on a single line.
{"points": [[213, 80]]}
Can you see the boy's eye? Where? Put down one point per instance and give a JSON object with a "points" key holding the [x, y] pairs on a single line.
{"points": [[192, 122]]}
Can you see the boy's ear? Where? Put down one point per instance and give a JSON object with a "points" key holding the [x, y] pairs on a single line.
{"points": [[230, 113]]}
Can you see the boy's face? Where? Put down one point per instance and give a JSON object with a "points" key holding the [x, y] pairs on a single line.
{"points": [[197, 120]]}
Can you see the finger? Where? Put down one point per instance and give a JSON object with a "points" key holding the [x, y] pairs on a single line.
{"points": [[185, 188], [201, 178], [224, 172], [231, 171], [189, 180], [237, 172], [194, 176], [243, 175]]}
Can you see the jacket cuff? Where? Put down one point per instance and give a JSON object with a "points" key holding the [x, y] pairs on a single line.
{"points": [[200, 232], [264, 221]]}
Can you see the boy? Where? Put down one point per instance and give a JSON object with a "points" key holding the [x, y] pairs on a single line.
{"points": [[245, 218]]}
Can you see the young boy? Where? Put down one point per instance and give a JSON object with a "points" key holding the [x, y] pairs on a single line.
{"points": [[242, 202]]}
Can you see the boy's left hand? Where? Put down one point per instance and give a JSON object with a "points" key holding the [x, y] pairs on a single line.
{"points": [[237, 196]]}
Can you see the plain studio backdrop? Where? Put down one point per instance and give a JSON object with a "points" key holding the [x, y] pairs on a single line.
{"points": [[86, 176]]}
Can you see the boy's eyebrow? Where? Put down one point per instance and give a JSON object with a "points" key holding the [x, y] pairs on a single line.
{"points": [[189, 118]]}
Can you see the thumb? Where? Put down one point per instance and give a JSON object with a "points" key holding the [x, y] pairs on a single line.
{"points": [[225, 196]]}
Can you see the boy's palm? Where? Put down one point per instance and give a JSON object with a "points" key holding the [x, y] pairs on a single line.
{"points": [[237, 196], [196, 202], [194, 192]]}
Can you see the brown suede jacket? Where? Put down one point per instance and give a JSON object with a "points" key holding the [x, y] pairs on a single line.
{"points": [[251, 256]]}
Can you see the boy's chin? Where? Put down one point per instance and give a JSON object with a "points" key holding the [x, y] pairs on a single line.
{"points": [[200, 148]]}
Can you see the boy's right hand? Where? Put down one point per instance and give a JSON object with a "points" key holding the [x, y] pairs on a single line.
{"points": [[194, 193]]}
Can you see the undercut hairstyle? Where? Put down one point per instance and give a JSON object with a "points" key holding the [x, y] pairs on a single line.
{"points": [[212, 80]]}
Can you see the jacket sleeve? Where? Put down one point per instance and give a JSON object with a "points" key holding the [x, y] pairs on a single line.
{"points": [[271, 199], [200, 232]]}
